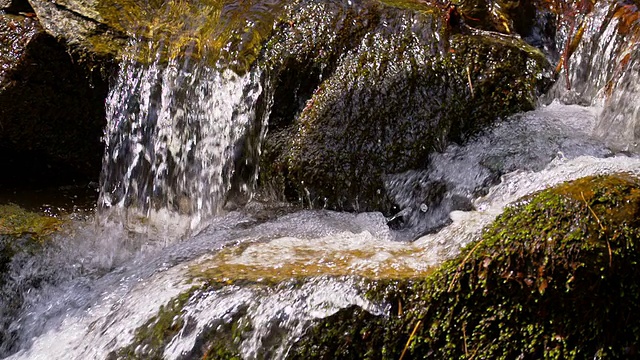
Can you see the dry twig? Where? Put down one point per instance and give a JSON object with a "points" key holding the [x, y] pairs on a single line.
{"points": [[413, 333]]}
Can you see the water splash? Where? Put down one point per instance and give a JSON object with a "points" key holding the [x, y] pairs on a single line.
{"points": [[275, 317], [90, 313]]}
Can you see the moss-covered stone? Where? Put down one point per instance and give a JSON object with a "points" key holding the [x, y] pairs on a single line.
{"points": [[22, 231], [225, 32], [554, 277], [217, 341], [151, 338], [15, 221], [363, 90]]}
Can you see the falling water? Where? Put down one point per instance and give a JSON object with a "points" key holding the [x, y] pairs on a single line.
{"points": [[175, 131], [317, 260], [604, 70]]}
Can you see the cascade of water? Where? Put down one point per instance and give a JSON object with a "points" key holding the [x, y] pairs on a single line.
{"points": [[604, 70], [275, 317], [97, 313], [175, 127], [174, 130]]}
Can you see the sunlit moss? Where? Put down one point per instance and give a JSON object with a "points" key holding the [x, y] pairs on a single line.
{"points": [[298, 260], [16, 221], [151, 338], [217, 30], [554, 277]]}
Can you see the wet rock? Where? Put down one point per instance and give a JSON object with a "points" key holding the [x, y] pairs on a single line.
{"points": [[22, 234], [51, 106], [598, 63], [22, 231], [364, 90], [79, 22], [553, 277], [15, 6]]}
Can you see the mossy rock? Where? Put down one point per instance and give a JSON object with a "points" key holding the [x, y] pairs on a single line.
{"points": [[15, 221], [220, 339], [554, 277], [226, 31], [22, 231], [363, 90]]}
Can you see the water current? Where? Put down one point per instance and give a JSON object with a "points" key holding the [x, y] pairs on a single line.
{"points": [[174, 133]]}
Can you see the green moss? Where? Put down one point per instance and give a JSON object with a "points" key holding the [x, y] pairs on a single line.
{"points": [[217, 341], [554, 277], [151, 338], [22, 231], [411, 86], [15, 221], [224, 32]]}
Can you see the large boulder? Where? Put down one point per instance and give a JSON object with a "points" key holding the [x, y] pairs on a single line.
{"points": [[554, 277], [364, 90], [51, 106]]}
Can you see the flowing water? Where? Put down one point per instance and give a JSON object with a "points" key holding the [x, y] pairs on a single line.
{"points": [[171, 136], [175, 131]]}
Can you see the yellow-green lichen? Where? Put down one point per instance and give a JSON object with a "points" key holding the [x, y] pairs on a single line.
{"points": [[15, 221]]}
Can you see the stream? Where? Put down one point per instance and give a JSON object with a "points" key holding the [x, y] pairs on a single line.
{"points": [[161, 227]]}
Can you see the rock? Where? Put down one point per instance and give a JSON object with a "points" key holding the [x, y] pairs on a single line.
{"points": [[23, 234], [80, 24], [553, 277], [364, 90], [15, 6], [51, 106]]}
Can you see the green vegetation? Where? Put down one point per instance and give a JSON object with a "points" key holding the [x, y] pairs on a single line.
{"points": [[554, 277], [22, 231], [15, 221], [365, 90], [151, 338], [224, 32]]}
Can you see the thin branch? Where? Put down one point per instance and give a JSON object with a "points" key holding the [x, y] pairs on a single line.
{"points": [[455, 278], [469, 79], [413, 333]]}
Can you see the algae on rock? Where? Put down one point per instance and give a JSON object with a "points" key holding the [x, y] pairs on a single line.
{"points": [[363, 90], [555, 276], [22, 231]]}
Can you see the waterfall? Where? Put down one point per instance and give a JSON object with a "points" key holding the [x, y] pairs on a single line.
{"points": [[173, 133], [604, 71], [184, 131]]}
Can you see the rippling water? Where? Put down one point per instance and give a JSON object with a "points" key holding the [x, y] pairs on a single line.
{"points": [[96, 287]]}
